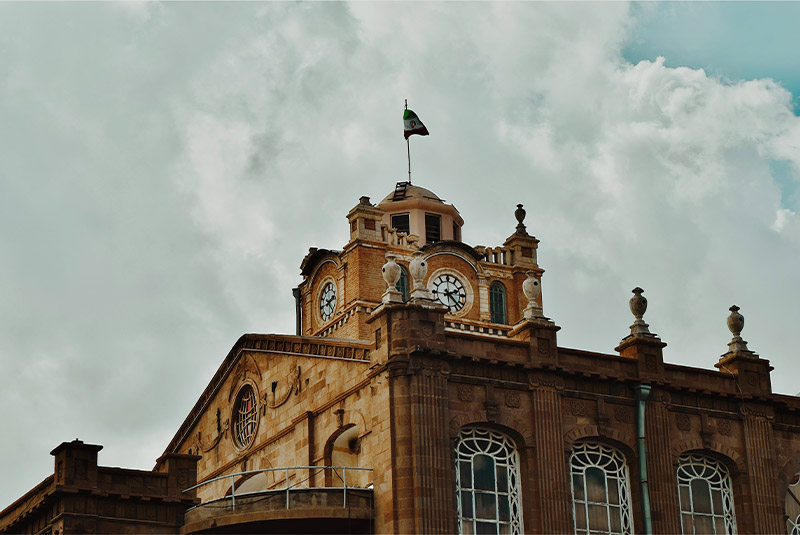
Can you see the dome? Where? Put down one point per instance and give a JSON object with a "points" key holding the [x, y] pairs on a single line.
{"points": [[405, 191]]}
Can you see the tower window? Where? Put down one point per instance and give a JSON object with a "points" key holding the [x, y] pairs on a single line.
{"points": [[456, 236], [400, 223], [497, 302], [433, 228], [402, 283]]}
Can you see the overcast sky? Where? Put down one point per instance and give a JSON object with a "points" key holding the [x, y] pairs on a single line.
{"points": [[164, 168]]}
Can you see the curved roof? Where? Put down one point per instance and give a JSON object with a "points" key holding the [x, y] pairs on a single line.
{"points": [[405, 191]]}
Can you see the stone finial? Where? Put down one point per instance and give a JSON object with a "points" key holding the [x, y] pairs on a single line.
{"points": [[519, 213], [736, 324], [391, 274], [364, 201], [532, 289], [638, 305], [418, 268]]}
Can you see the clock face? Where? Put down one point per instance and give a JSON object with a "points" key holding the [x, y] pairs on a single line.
{"points": [[327, 301], [450, 292]]}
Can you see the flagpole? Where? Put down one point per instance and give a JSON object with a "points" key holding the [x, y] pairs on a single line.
{"points": [[408, 148]]}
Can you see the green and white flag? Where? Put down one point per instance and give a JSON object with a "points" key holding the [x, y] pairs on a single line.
{"points": [[412, 125]]}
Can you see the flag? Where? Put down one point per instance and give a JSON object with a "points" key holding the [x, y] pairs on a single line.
{"points": [[412, 125]]}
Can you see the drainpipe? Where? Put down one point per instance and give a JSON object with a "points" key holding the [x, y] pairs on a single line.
{"points": [[298, 311], [642, 391]]}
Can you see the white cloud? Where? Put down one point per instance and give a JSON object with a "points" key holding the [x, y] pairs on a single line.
{"points": [[167, 209]]}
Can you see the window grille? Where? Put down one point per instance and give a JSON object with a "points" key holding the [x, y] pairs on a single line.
{"points": [[433, 228], [704, 490], [791, 506], [402, 283], [497, 303], [600, 490], [246, 416], [487, 483], [401, 223]]}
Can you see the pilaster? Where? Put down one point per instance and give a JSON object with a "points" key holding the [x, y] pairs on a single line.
{"points": [[662, 481], [433, 490], [554, 492], [762, 500]]}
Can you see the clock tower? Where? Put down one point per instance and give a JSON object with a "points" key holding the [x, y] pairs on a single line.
{"points": [[480, 287]]}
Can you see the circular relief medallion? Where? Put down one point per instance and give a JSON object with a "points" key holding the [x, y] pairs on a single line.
{"points": [[245, 416], [327, 301], [449, 291]]}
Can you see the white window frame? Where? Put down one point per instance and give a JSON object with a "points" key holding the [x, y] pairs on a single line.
{"points": [[791, 506], [505, 495], [695, 466], [594, 456]]}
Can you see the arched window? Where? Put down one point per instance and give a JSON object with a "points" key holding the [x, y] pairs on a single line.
{"points": [[600, 489], [791, 506], [402, 283], [704, 489], [497, 302], [487, 483]]}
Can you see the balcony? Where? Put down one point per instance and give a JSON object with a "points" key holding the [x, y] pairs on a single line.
{"points": [[285, 500]]}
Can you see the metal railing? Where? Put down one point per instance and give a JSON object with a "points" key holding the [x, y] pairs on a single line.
{"points": [[287, 487]]}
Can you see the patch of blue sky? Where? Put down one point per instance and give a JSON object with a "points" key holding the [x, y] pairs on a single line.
{"points": [[789, 183], [729, 40]]}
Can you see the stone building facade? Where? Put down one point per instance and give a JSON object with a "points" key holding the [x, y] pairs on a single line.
{"points": [[425, 392]]}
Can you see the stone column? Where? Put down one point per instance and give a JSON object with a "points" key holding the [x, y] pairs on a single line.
{"points": [[483, 299]]}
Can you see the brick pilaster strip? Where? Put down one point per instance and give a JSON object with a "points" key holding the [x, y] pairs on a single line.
{"points": [[434, 501], [402, 473], [556, 499], [664, 506], [763, 474]]}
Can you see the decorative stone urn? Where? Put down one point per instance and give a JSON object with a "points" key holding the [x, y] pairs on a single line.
{"points": [[519, 213], [638, 305], [391, 274], [532, 289], [736, 324], [418, 268]]}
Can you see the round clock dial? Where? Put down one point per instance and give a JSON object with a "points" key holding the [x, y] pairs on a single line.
{"points": [[450, 292], [327, 301]]}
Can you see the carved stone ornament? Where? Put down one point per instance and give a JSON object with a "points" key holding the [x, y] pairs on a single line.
{"points": [[724, 427], [418, 268], [544, 345], [293, 385], [465, 393], [391, 274], [622, 414], [532, 289], [737, 346], [513, 400], [577, 407], [638, 305], [519, 213], [682, 422]]}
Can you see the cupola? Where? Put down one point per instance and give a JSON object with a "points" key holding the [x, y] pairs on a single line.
{"points": [[416, 210]]}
